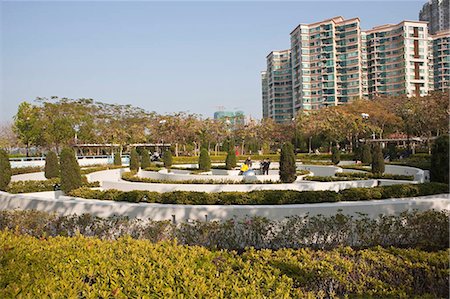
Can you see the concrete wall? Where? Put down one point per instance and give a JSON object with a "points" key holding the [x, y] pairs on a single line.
{"points": [[320, 170], [420, 175], [62, 205], [83, 161]]}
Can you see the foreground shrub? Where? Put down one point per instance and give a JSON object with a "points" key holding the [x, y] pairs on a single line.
{"points": [[336, 155], [5, 170], [88, 267], [70, 171], [167, 159], [287, 164], [117, 159], [145, 160], [366, 156], [134, 160], [204, 161], [439, 171], [377, 160], [51, 168], [230, 161]]}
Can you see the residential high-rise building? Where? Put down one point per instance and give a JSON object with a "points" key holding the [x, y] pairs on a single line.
{"points": [[398, 59], [265, 95], [326, 63], [436, 13], [441, 60], [279, 86]]}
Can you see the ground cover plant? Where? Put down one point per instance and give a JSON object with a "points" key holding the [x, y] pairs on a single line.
{"points": [[28, 169]]}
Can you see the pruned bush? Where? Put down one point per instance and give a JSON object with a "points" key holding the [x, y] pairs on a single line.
{"points": [[366, 156], [204, 161], [377, 160], [51, 168], [145, 160], [336, 155], [287, 164], [70, 170], [117, 159], [167, 159], [439, 171], [134, 160], [5, 170]]}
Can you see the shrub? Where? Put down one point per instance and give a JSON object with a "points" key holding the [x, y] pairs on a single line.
{"points": [[51, 168], [204, 161], [440, 160], [230, 161], [336, 155], [70, 171], [134, 160], [117, 159], [5, 170], [377, 160], [145, 160], [287, 164], [366, 156], [28, 169], [167, 158]]}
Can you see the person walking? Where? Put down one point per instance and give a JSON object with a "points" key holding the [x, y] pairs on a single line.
{"points": [[266, 166]]}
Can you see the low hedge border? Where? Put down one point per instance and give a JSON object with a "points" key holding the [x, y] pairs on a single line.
{"points": [[332, 178], [43, 185], [264, 197], [23, 170], [369, 175]]}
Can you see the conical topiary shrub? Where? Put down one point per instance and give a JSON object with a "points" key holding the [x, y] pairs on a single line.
{"points": [[366, 156], [287, 164], [230, 161], [5, 170], [134, 160], [167, 159], [145, 160], [335, 155], [70, 170], [440, 160], [204, 161], [117, 159], [377, 160], [51, 169]]}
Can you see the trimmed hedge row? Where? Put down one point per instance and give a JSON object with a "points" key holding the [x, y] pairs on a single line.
{"points": [[88, 170], [28, 169], [374, 176], [331, 178], [265, 197], [42, 186], [83, 267]]}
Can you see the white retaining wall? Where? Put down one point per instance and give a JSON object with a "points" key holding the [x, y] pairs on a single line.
{"points": [[35, 176], [62, 205]]}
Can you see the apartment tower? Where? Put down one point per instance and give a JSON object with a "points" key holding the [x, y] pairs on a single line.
{"points": [[436, 13], [265, 94], [441, 60]]}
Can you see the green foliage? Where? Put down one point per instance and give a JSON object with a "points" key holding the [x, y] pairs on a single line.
{"points": [[70, 170], [28, 169], [84, 267], [204, 161], [440, 160], [145, 160], [377, 160], [167, 159], [134, 160], [287, 164], [374, 176], [5, 170], [336, 155], [366, 156], [51, 168], [230, 161], [26, 124], [117, 159]]}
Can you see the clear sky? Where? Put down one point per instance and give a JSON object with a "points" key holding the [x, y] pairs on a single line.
{"points": [[161, 56]]}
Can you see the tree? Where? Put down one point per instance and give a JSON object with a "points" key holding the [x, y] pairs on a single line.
{"points": [[287, 164], [51, 169], [145, 160], [117, 159], [230, 161], [440, 160], [134, 160], [377, 160], [26, 124], [167, 159], [204, 161], [336, 155], [70, 170], [366, 156], [8, 138], [5, 170]]}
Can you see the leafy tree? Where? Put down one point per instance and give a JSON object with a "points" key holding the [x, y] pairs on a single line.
{"points": [[230, 161], [440, 160], [336, 155], [117, 159], [51, 165], [167, 159], [26, 124], [134, 160], [5, 170], [70, 170], [366, 156], [145, 161], [204, 161], [377, 160], [287, 164]]}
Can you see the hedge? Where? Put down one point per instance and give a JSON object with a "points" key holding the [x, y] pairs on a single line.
{"points": [[69, 170], [51, 169], [42, 186], [5, 170], [28, 169], [375, 176], [83, 267], [262, 197], [332, 178]]}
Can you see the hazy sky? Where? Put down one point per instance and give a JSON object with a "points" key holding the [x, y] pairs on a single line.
{"points": [[161, 56]]}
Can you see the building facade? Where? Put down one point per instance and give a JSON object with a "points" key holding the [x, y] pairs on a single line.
{"points": [[441, 60], [436, 13], [265, 95], [279, 86]]}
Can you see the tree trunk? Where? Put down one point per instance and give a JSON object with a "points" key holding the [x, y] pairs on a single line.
{"points": [[176, 149]]}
